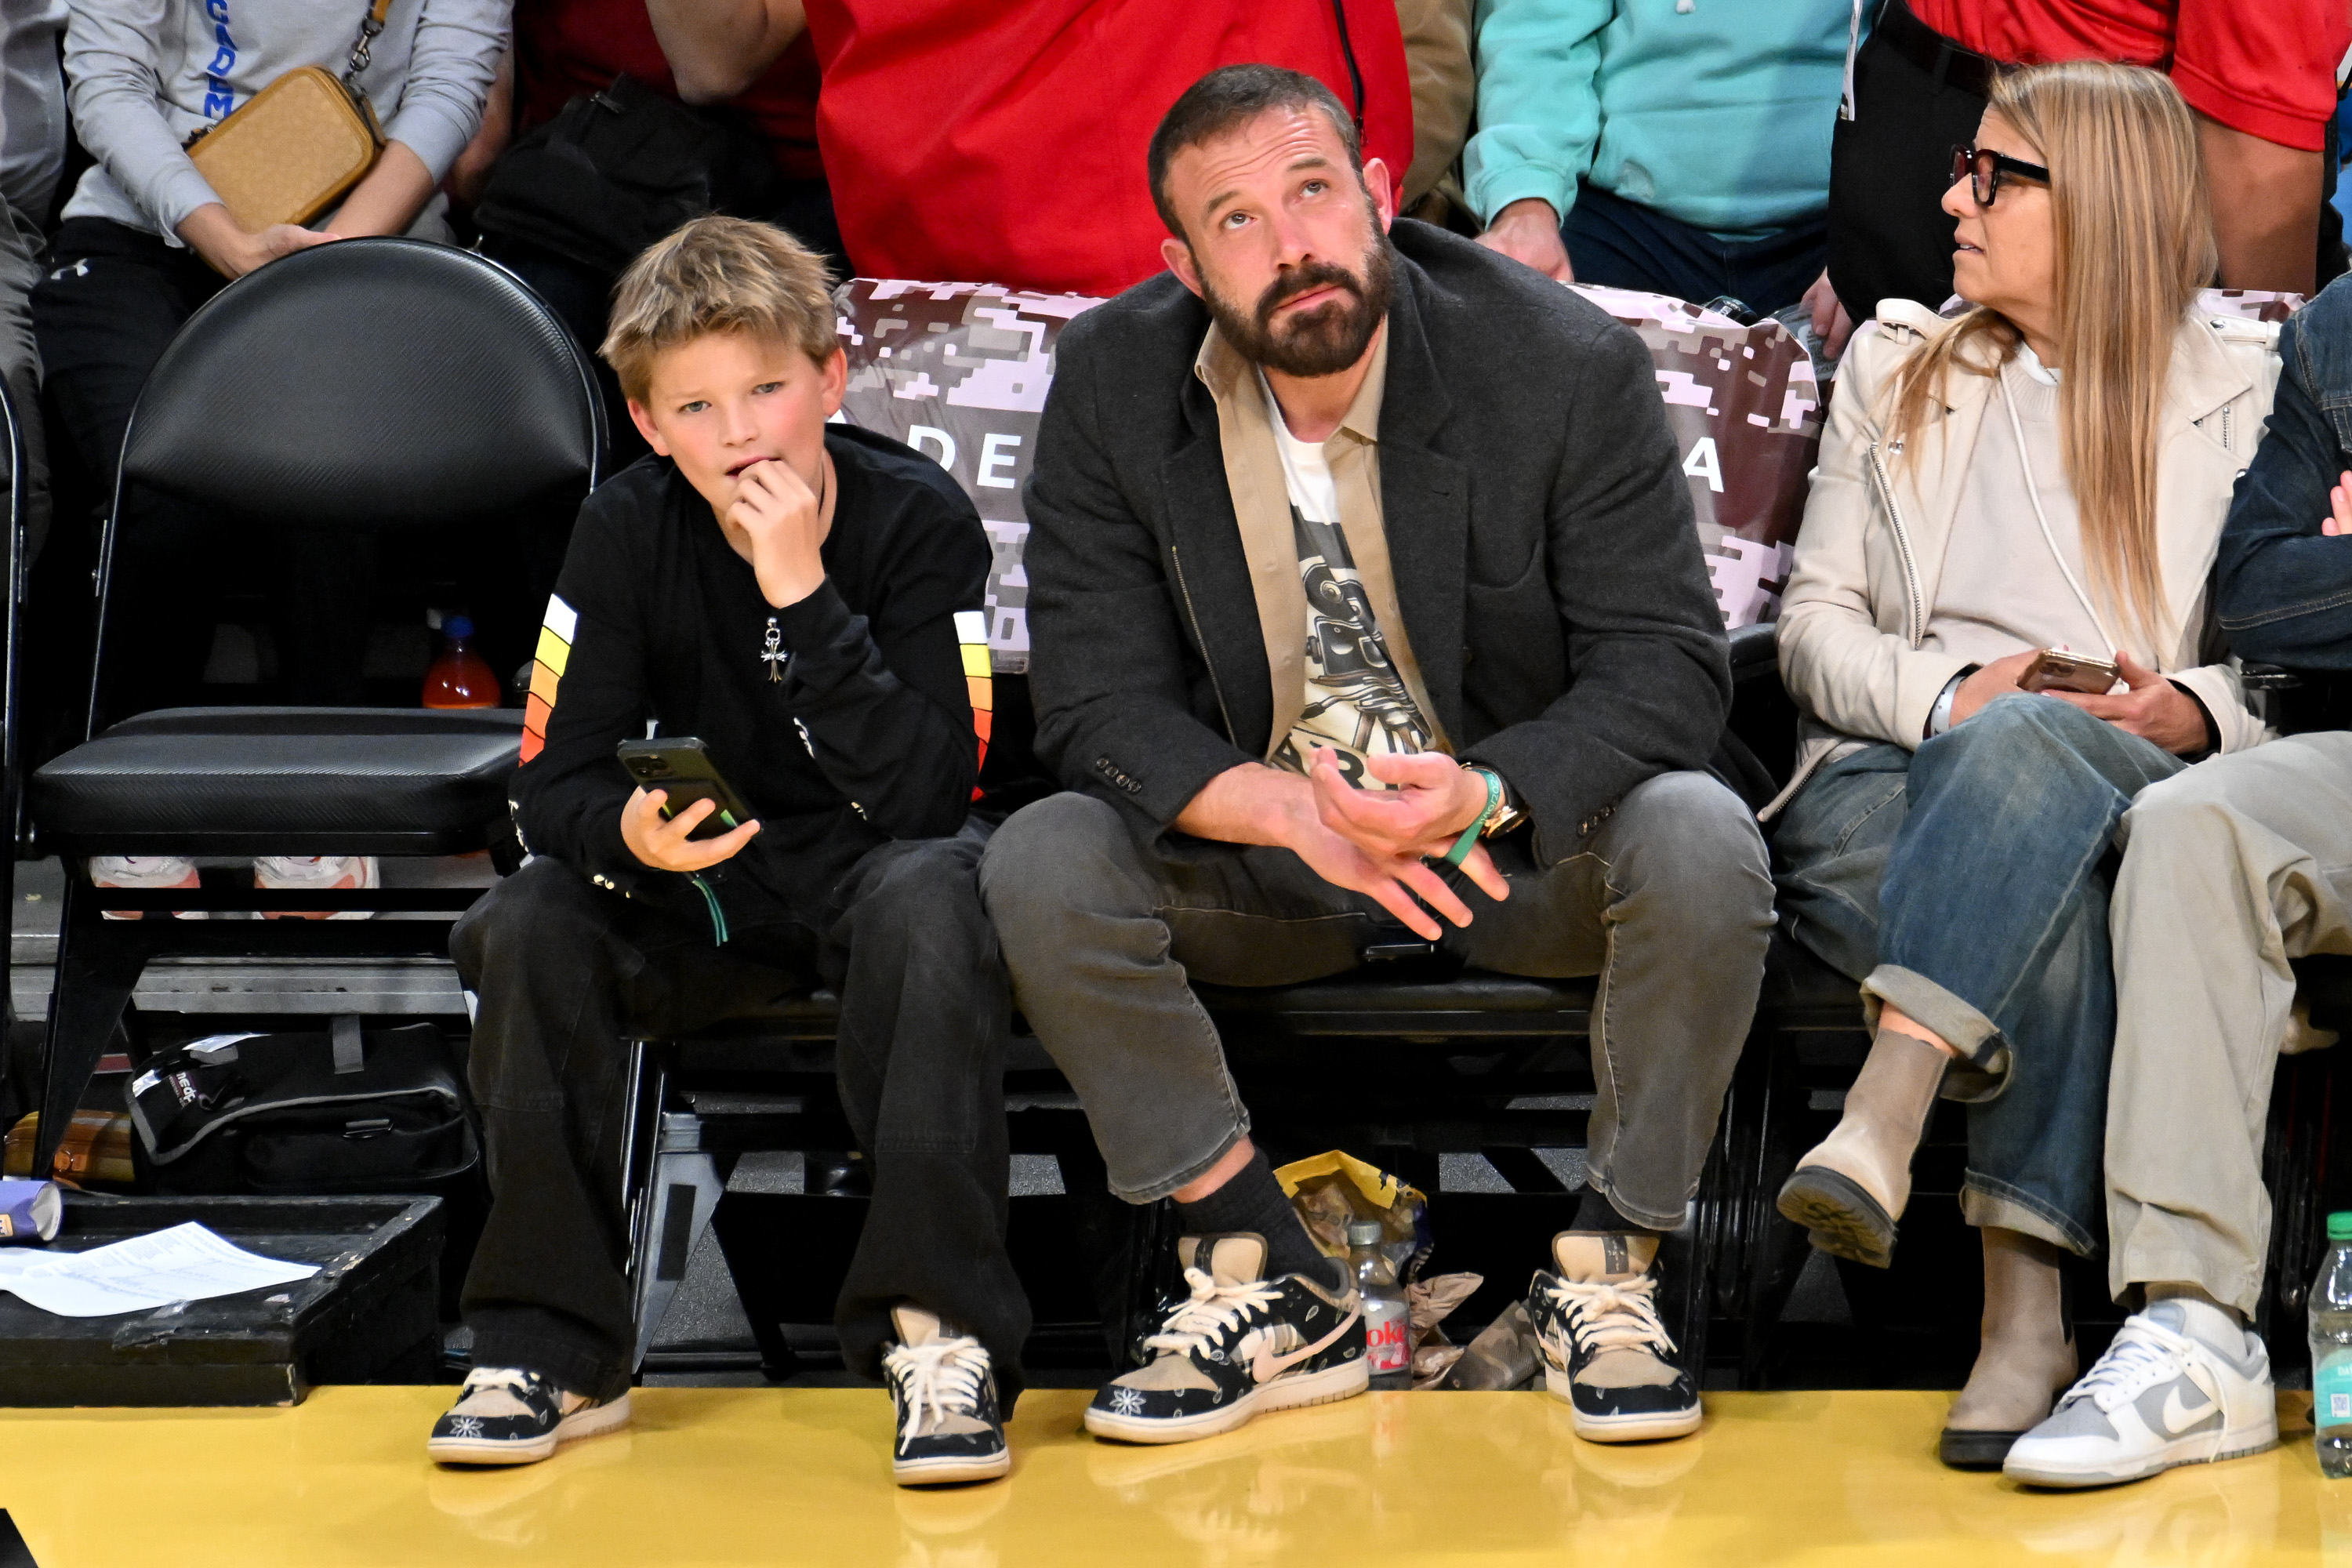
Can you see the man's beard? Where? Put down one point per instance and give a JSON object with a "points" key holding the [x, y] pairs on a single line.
{"points": [[1320, 341]]}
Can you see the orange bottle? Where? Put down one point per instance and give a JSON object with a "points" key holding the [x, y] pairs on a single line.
{"points": [[460, 678]]}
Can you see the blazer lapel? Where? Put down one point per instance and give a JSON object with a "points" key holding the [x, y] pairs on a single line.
{"points": [[1209, 573]]}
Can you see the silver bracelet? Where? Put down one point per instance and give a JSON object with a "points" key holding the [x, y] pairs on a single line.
{"points": [[1940, 717]]}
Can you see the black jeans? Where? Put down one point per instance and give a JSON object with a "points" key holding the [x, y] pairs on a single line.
{"points": [[1890, 165], [566, 973], [110, 302], [1619, 244]]}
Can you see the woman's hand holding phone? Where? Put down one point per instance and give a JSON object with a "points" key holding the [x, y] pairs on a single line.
{"points": [[664, 842], [2154, 709]]}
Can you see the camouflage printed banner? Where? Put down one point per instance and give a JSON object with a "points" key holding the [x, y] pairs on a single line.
{"points": [[958, 371], [1746, 417]]}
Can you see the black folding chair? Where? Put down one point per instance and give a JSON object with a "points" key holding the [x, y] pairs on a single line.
{"points": [[375, 386], [12, 785]]}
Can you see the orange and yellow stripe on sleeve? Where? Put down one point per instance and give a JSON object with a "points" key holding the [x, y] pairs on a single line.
{"points": [[554, 651], [971, 640]]}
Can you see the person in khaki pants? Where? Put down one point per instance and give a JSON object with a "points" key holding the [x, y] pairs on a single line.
{"points": [[2231, 870]]}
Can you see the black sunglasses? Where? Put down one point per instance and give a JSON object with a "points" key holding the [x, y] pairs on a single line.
{"points": [[1984, 169]]}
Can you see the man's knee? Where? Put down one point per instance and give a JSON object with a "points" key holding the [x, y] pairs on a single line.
{"points": [[1684, 834], [1064, 854]]}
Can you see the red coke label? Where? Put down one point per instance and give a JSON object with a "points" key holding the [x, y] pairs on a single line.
{"points": [[1386, 1340]]}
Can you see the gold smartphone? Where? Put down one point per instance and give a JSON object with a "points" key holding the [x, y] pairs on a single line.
{"points": [[2056, 670]]}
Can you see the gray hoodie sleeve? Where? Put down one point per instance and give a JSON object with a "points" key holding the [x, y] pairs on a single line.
{"points": [[456, 58], [114, 86]]}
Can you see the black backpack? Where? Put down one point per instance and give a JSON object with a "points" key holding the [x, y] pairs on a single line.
{"points": [[345, 1110]]}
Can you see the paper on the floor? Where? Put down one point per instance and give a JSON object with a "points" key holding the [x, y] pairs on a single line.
{"points": [[185, 1263]]}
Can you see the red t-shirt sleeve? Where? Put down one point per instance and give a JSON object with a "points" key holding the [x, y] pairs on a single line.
{"points": [[2267, 69]]}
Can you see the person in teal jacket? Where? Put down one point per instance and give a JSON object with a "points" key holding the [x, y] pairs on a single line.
{"points": [[1679, 146]]}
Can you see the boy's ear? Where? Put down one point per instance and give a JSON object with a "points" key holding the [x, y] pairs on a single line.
{"points": [[835, 374], [643, 419]]}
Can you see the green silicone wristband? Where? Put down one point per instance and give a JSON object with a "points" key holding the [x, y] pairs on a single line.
{"points": [[1461, 851]]}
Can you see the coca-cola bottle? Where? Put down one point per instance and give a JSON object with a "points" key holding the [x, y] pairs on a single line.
{"points": [[1388, 1336]]}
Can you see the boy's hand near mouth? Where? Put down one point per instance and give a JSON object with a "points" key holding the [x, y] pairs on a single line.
{"points": [[777, 523]]}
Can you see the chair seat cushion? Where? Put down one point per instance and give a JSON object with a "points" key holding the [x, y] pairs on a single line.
{"points": [[230, 781]]}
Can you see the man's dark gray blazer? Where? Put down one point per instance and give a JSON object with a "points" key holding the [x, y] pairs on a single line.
{"points": [[1539, 524]]}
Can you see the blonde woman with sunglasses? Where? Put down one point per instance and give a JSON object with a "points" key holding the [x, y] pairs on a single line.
{"points": [[2046, 467]]}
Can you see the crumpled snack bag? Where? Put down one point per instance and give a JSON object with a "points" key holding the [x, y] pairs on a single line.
{"points": [[1428, 1301], [1331, 1189]]}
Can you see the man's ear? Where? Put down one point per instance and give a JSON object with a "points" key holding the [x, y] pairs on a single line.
{"points": [[835, 374], [1179, 257], [643, 419], [1377, 186]]}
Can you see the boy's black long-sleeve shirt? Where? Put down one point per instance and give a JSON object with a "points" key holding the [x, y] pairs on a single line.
{"points": [[861, 733]]}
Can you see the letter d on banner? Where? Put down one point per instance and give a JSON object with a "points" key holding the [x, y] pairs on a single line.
{"points": [[919, 434]]}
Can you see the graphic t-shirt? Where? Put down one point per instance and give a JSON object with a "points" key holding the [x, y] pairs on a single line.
{"points": [[1357, 703]]}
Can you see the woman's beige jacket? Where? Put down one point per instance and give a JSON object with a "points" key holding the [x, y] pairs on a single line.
{"points": [[1877, 523]]}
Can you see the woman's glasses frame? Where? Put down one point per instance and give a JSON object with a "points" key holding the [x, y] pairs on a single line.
{"points": [[1984, 169]]}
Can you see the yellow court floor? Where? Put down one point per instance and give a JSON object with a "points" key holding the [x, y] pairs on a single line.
{"points": [[768, 1475]]}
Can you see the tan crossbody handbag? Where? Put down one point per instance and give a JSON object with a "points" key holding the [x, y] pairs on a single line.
{"points": [[298, 144]]}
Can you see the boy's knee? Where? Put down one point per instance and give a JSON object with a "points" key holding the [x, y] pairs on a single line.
{"points": [[523, 915]]}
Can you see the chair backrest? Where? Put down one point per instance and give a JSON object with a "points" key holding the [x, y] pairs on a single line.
{"points": [[369, 383], [12, 637]]}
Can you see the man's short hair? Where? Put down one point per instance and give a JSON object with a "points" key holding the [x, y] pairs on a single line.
{"points": [[1229, 97], [717, 275]]}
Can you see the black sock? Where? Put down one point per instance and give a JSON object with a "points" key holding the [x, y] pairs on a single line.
{"points": [[1594, 1212], [1251, 1200]]}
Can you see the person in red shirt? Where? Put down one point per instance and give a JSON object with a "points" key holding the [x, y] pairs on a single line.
{"points": [[1000, 144], [751, 58], [2261, 78]]}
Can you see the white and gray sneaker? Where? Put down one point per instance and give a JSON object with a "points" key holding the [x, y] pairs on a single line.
{"points": [[505, 1415], [944, 1391], [2181, 1384]]}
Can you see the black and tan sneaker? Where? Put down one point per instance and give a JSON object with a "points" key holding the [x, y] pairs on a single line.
{"points": [[1242, 1345], [1605, 1352], [505, 1415], [948, 1426]]}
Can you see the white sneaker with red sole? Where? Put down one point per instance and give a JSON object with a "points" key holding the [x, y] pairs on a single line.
{"points": [[315, 873], [144, 871]]}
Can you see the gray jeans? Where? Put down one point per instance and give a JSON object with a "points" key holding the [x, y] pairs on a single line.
{"points": [[1670, 904], [2230, 870]]}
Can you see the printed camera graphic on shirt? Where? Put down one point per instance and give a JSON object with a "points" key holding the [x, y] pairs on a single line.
{"points": [[960, 372]]}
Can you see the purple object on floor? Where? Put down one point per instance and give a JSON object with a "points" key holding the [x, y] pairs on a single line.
{"points": [[30, 1211]]}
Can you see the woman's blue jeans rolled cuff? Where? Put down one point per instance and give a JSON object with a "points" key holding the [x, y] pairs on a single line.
{"points": [[1957, 1023]]}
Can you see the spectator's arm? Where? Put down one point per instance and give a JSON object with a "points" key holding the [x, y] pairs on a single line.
{"points": [[1108, 653], [1651, 667], [452, 68], [471, 173], [114, 88], [2282, 587], [883, 700], [1538, 107], [2265, 208], [718, 49], [1839, 666], [388, 200]]}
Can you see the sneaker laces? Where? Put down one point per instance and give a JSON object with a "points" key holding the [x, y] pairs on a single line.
{"points": [[1214, 1312], [2141, 1356], [1606, 1316], [511, 1380], [941, 1378]]}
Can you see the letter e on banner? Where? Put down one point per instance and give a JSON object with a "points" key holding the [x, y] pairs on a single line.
{"points": [[996, 455], [1702, 463], [919, 434]]}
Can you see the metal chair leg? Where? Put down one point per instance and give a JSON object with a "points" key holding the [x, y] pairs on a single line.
{"points": [[97, 971]]}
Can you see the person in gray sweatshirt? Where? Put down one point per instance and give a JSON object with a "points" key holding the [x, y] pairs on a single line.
{"points": [[143, 241]]}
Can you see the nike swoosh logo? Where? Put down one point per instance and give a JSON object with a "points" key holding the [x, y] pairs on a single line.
{"points": [[1266, 1368], [2177, 1417]]}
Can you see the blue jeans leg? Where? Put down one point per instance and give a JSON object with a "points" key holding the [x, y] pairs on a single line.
{"points": [[1993, 933]]}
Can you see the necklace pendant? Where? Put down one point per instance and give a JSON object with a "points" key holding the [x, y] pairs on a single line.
{"points": [[773, 655]]}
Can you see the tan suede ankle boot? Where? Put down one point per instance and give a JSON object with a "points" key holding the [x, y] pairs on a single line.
{"points": [[2026, 1356], [1853, 1187]]}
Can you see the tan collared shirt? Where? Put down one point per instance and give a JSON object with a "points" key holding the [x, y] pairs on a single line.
{"points": [[1271, 538]]}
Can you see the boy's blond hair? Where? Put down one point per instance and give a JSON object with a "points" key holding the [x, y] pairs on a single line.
{"points": [[717, 275]]}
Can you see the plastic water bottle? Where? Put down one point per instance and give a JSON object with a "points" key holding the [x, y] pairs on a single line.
{"points": [[2331, 1351], [460, 678], [1388, 1334]]}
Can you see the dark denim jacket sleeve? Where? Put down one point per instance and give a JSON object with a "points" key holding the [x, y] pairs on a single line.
{"points": [[2281, 590]]}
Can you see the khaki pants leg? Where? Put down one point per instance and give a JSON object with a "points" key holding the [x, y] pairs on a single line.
{"points": [[2231, 870]]}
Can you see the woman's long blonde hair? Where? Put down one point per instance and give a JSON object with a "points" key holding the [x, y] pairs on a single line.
{"points": [[2135, 244]]}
